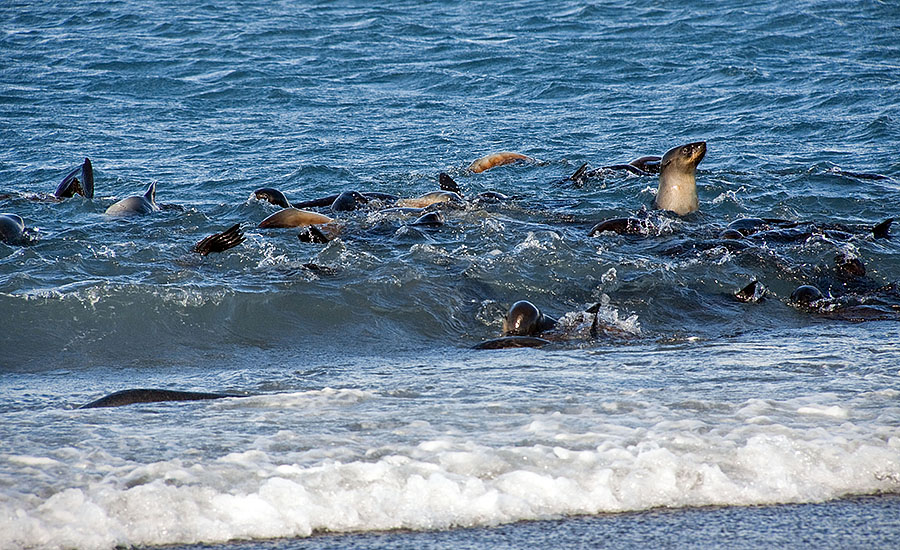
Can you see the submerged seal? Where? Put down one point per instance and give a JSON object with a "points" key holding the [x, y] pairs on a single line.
{"points": [[12, 229], [428, 199], [677, 182], [496, 159], [136, 205], [129, 397]]}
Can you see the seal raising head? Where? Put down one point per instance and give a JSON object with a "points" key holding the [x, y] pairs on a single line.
{"points": [[677, 184], [525, 319]]}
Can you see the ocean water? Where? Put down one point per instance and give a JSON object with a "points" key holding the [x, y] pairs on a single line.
{"points": [[691, 419]]}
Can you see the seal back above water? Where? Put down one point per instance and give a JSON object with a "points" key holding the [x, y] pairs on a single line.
{"points": [[144, 204]]}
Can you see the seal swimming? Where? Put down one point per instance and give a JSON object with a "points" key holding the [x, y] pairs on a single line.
{"points": [[12, 229], [138, 204], [493, 160], [294, 217], [522, 327], [130, 397], [677, 178]]}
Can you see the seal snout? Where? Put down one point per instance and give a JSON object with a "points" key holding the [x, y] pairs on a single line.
{"points": [[695, 151]]}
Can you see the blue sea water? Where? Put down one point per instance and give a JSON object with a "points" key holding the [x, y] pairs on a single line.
{"points": [[692, 418]]}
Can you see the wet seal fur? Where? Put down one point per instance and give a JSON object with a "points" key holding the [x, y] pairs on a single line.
{"points": [[12, 229], [293, 217], [677, 178], [136, 205], [130, 397], [494, 160]]}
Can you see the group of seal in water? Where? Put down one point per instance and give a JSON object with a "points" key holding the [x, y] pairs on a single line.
{"points": [[524, 325]]}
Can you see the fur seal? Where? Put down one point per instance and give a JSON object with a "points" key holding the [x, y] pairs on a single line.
{"points": [[70, 185], [348, 200], [430, 219], [136, 205], [521, 328], [220, 242], [622, 226], [677, 182], [643, 166], [12, 229], [273, 196], [293, 217], [805, 295], [496, 159], [448, 184], [428, 199], [129, 397]]}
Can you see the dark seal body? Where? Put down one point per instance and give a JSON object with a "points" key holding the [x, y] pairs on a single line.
{"points": [[130, 397]]}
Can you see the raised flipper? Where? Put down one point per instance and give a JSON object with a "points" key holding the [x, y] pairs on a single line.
{"points": [[883, 229], [448, 183], [220, 242], [70, 185], [87, 179], [649, 164], [752, 293], [578, 176], [129, 397], [312, 234]]}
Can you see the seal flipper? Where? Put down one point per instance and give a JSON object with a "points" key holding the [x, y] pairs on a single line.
{"points": [[449, 184], [69, 185], [883, 229], [312, 234], [150, 195], [87, 179], [578, 176], [752, 293], [220, 242], [129, 397]]}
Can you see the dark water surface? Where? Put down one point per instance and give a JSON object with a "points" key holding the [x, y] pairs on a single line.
{"points": [[368, 409]]}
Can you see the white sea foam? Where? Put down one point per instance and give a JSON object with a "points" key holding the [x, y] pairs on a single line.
{"points": [[445, 482]]}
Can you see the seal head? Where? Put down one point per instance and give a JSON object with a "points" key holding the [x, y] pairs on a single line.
{"points": [[273, 196], [677, 182], [525, 319]]}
